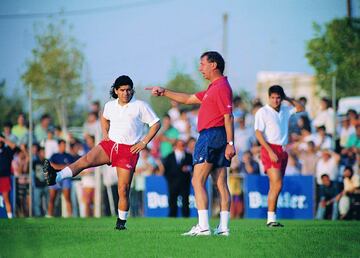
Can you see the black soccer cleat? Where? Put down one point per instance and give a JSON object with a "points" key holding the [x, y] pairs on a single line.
{"points": [[49, 173], [274, 225], [120, 224]]}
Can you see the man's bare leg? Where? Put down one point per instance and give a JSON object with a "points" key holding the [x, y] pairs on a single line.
{"points": [[275, 185], [220, 178], [201, 173], [124, 183]]}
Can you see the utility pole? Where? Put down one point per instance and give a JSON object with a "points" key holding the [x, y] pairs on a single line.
{"points": [[225, 36], [349, 13], [30, 143]]}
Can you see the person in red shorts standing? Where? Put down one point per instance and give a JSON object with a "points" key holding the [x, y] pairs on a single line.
{"points": [[271, 130], [122, 123], [7, 151]]}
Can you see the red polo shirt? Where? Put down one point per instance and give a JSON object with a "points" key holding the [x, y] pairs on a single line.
{"points": [[216, 101]]}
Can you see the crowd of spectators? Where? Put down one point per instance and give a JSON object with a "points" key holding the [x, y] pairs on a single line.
{"points": [[317, 147]]}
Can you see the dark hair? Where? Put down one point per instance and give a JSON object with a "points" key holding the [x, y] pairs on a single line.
{"points": [[45, 116], [278, 90], [326, 101], [61, 141], [350, 169], [215, 57], [96, 114], [324, 175], [120, 81]]}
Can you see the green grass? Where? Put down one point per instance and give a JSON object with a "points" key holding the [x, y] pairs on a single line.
{"points": [[147, 237]]}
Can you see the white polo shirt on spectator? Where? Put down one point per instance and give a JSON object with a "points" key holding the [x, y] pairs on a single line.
{"points": [[274, 125], [127, 122]]}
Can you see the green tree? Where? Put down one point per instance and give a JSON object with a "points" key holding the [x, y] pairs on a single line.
{"points": [[335, 51], [54, 71], [181, 83], [10, 106]]}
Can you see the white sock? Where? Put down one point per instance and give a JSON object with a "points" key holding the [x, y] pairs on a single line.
{"points": [[9, 215], [224, 219], [203, 219], [65, 173], [123, 214], [271, 216]]}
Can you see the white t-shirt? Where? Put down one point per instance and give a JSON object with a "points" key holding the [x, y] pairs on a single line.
{"points": [[127, 122], [274, 125], [329, 167]]}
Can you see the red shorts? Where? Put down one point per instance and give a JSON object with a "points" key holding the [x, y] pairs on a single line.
{"points": [[5, 184], [280, 153], [120, 155]]}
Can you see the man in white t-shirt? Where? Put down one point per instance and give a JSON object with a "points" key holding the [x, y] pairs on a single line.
{"points": [[122, 125], [271, 130]]}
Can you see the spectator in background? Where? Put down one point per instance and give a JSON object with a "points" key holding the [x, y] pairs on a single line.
{"points": [[60, 160], [42, 128], [239, 110], [96, 107], [182, 124], [174, 112], [168, 136], [248, 166], [178, 168], [92, 126], [308, 159], [7, 151], [327, 164], [351, 184], [8, 135], [190, 145], [41, 192], [59, 134], [20, 130], [354, 139], [243, 137], [51, 145], [325, 117], [345, 131], [322, 140], [329, 198], [20, 166], [88, 182], [353, 116]]}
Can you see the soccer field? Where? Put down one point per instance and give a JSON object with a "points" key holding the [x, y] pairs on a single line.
{"points": [[161, 237]]}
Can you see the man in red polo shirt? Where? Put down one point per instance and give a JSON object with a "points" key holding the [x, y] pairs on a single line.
{"points": [[215, 145]]}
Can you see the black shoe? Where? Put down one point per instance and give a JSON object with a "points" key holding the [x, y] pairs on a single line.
{"points": [[274, 225], [49, 173], [120, 224]]}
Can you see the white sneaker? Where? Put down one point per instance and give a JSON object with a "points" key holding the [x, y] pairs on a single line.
{"points": [[197, 231], [221, 232]]}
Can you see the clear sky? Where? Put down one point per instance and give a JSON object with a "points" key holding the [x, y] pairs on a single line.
{"points": [[147, 39]]}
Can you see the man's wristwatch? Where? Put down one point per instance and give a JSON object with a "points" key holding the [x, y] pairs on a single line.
{"points": [[231, 143]]}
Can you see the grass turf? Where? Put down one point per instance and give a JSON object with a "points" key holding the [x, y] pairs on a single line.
{"points": [[161, 237]]}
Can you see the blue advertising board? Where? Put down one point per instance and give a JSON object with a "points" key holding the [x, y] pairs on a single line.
{"points": [[156, 198], [296, 200]]}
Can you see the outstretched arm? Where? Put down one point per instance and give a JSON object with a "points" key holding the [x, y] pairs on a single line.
{"points": [[180, 97]]}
